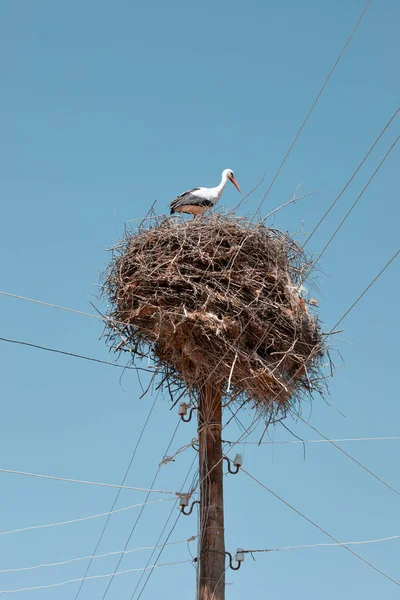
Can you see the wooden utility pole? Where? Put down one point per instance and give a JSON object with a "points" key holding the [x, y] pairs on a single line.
{"points": [[212, 533]]}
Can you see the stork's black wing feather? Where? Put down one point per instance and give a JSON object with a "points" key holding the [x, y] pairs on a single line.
{"points": [[187, 192], [189, 198]]}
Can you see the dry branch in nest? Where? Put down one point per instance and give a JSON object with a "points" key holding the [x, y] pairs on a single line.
{"points": [[216, 298]]}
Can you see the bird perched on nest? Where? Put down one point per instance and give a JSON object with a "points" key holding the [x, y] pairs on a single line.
{"points": [[197, 200]]}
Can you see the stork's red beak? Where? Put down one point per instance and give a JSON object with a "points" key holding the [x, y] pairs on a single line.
{"points": [[235, 183]]}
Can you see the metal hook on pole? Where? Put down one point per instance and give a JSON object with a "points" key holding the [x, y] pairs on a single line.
{"points": [[239, 558], [184, 502], [189, 512], [237, 462], [182, 412]]}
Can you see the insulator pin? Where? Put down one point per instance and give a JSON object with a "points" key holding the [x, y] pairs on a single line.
{"points": [[238, 460], [182, 410]]}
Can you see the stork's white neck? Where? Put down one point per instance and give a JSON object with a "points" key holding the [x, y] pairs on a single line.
{"points": [[213, 194], [223, 183]]}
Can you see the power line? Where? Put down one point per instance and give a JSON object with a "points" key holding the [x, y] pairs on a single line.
{"points": [[99, 317], [334, 544], [110, 485], [49, 304], [160, 536], [141, 511], [159, 554], [80, 558], [360, 439], [313, 105], [52, 585], [97, 360], [117, 494], [343, 317], [79, 520], [366, 289], [354, 204], [314, 428], [349, 455], [351, 178], [319, 527]]}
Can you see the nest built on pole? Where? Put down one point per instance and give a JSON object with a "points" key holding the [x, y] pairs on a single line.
{"points": [[217, 299], [217, 305]]}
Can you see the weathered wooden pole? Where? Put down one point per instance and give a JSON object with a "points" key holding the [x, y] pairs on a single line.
{"points": [[212, 533]]}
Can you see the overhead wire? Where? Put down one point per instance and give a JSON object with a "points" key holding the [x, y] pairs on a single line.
{"points": [[161, 550], [95, 556], [360, 464], [98, 317], [352, 207], [92, 577], [313, 105], [74, 355], [141, 511], [51, 305], [357, 300], [118, 493], [368, 470], [81, 519], [342, 191], [160, 536], [358, 439], [333, 544], [97, 483], [367, 562]]}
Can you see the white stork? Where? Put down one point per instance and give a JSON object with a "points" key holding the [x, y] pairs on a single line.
{"points": [[198, 200]]}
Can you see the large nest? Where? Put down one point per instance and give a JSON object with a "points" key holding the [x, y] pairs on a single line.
{"points": [[216, 298]]}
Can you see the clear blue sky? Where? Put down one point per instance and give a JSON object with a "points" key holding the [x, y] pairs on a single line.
{"points": [[108, 106]]}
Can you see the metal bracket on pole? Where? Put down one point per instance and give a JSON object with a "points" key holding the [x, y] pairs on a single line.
{"points": [[184, 502], [189, 512], [182, 412], [237, 461], [239, 558]]}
